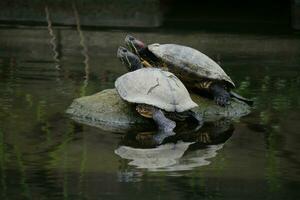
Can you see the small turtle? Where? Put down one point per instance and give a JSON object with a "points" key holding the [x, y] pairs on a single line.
{"points": [[155, 92], [194, 68]]}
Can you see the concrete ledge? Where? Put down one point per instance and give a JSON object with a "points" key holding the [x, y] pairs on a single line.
{"points": [[129, 13]]}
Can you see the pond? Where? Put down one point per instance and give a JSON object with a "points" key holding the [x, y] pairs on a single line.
{"points": [[46, 155]]}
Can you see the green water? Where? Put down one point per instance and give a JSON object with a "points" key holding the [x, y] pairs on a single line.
{"points": [[46, 155]]}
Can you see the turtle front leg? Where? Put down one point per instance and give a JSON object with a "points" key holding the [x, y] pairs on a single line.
{"points": [[164, 124], [221, 96]]}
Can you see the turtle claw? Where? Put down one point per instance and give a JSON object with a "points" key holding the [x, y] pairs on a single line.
{"points": [[223, 100]]}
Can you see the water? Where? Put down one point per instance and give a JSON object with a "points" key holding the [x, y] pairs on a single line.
{"points": [[45, 155]]}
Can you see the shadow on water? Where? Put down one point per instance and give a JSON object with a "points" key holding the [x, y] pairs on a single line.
{"points": [[45, 155]]}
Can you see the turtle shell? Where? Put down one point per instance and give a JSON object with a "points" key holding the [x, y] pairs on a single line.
{"points": [[155, 87], [190, 61]]}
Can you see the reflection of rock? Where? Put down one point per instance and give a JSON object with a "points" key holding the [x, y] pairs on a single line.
{"points": [[108, 111]]}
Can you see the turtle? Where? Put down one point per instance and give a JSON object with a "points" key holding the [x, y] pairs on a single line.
{"points": [[157, 94], [196, 70]]}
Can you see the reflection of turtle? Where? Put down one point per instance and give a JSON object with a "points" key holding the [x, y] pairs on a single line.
{"points": [[211, 133], [154, 158], [182, 151], [194, 68], [155, 91]]}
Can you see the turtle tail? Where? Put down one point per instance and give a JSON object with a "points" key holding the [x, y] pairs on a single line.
{"points": [[239, 97]]}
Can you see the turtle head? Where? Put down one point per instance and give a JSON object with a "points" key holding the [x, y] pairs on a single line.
{"points": [[134, 44], [129, 59]]}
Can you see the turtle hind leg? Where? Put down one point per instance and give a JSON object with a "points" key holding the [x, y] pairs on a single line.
{"points": [[221, 96]]}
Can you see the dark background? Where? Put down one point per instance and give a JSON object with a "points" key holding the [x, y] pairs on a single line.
{"points": [[218, 15]]}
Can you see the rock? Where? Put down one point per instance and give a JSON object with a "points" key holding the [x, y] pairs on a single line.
{"points": [[108, 111], [213, 112]]}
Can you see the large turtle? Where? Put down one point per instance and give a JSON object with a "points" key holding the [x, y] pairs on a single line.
{"points": [[194, 68], [157, 94]]}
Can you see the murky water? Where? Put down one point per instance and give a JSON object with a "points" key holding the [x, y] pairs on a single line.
{"points": [[45, 155]]}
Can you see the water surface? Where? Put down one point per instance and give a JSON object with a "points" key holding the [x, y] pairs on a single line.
{"points": [[46, 155]]}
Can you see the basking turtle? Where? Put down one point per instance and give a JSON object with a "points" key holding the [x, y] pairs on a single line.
{"points": [[155, 92], [194, 68]]}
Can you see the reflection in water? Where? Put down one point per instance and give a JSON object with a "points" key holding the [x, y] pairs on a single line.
{"points": [[83, 162], [20, 165], [159, 157], [45, 157], [275, 96], [53, 38], [2, 165], [84, 51], [182, 151]]}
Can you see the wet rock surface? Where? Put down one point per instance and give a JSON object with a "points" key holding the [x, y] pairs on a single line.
{"points": [[108, 111]]}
